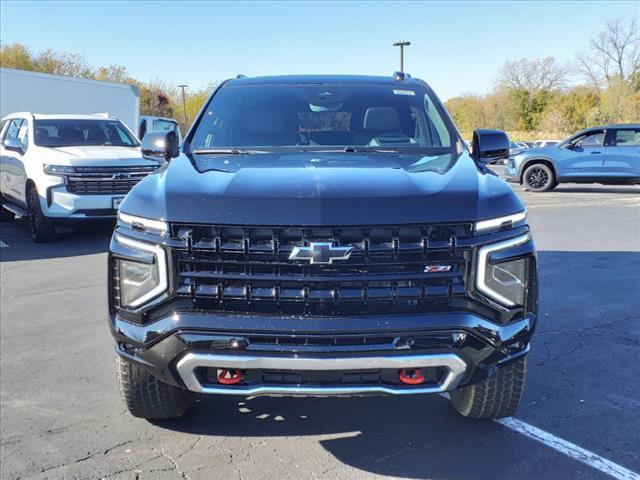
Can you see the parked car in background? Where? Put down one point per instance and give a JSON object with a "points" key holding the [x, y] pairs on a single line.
{"points": [[516, 147], [150, 124], [545, 143], [608, 154], [61, 169]]}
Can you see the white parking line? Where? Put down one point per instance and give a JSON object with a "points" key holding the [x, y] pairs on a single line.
{"points": [[566, 448], [569, 449]]}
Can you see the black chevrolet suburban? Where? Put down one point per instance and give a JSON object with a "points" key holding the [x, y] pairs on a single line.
{"points": [[322, 235]]}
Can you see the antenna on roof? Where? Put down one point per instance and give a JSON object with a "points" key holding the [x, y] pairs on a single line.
{"points": [[241, 75], [402, 44]]}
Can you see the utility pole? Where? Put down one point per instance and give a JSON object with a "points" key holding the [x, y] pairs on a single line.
{"points": [[184, 104], [402, 44]]}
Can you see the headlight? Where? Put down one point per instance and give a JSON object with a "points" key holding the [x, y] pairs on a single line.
{"points": [[140, 282], [156, 226], [504, 282], [500, 222], [58, 169]]}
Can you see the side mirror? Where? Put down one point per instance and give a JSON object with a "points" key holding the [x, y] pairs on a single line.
{"points": [[14, 144], [160, 146], [490, 145]]}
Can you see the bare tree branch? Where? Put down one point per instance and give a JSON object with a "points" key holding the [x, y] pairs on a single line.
{"points": [[613, 53], [541, 74]]}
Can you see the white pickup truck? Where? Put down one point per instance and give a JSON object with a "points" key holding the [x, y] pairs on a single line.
{"points": [[61, 169]]}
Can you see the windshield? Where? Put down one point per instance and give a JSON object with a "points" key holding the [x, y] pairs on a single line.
{"points": [[80, 133], [323, 117]]}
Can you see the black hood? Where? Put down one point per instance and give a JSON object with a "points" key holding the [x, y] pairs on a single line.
{"points": [[308, 188]]}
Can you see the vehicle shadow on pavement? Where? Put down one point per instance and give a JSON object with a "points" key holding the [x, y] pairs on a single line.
{"points": [[82, 240], [417, 437]]}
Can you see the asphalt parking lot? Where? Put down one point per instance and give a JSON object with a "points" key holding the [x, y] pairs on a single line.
{"points": [[62, 417]]}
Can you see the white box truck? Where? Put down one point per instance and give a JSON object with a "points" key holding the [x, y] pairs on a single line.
{"points": [[23, 91]]}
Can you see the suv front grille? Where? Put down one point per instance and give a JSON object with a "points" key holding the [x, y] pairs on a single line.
{"points": [[247, 269], [106, 180]]}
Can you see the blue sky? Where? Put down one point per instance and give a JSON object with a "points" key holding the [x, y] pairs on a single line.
{"points": [[457, 46]]}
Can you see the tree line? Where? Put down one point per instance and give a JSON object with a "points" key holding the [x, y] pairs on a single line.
{"points": [[530, 98], [543, 98]]}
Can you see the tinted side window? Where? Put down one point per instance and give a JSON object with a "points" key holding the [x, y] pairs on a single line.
{"points": [[594, 139], [627, 138]]}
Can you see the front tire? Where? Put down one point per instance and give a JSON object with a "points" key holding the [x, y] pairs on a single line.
{"points": [[42, 228], [539, 177], [495, 397], [147, 397]]}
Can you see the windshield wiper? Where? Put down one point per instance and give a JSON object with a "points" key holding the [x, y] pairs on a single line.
{"points": [[226, 151]]}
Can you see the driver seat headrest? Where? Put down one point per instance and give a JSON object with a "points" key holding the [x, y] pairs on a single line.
{"points": [[381, 119], [70, 133]]}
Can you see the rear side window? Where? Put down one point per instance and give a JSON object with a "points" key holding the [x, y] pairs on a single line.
{"points": [[627, 138]]}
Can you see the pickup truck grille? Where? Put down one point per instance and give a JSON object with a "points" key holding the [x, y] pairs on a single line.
{"points": [[106, 180], [247, 269]]}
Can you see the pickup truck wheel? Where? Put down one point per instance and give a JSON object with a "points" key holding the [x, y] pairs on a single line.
{"points": [[147, 397], [495, 397], [42, 228], [538, 178]]}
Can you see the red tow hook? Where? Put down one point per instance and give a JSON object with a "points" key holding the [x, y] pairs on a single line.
{"points": [[411, 376], [230, 377]]}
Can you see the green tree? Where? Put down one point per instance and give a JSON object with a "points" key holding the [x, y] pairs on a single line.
{"points": [[113, 73], [620, 103], [61, 63], [17, 56], [154, 100]]}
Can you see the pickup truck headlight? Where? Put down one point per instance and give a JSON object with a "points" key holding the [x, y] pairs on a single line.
{"points": [[154, 226], [58, 169], [141, 282], [505, 281], [500, 222]]}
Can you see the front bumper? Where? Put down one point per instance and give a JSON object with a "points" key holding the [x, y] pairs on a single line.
{"points": [[322, 356], [59, 204]]}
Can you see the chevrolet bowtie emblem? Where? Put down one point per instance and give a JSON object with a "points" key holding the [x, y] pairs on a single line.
{"points": [[320, 252]]}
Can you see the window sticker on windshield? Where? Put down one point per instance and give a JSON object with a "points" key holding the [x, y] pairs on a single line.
{"points": [[403, 92]]}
